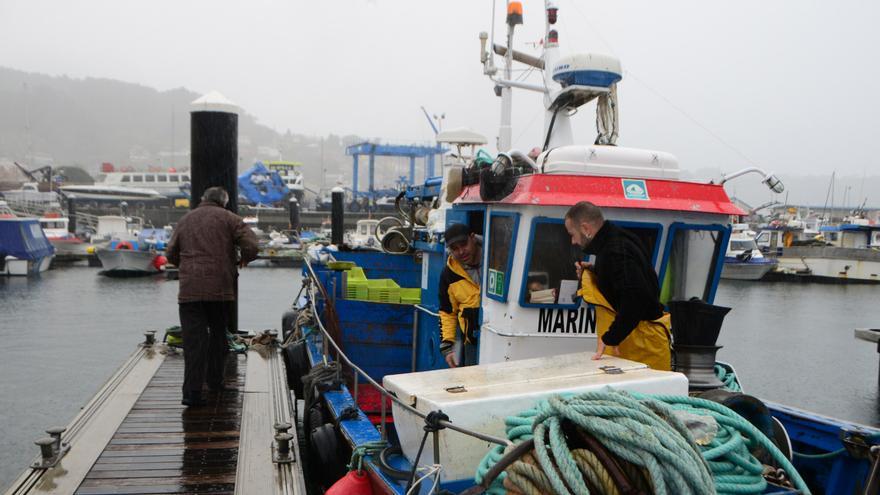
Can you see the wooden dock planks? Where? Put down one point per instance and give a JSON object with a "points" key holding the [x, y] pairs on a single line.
{"points": [[164, 447]]}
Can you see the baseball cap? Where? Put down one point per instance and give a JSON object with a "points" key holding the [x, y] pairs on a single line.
{"points": [[456, 232]]}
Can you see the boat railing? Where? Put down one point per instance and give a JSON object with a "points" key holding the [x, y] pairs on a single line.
{"points": [[313, 281]]}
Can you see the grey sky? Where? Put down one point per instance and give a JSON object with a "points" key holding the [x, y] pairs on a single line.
{"points": [[790, 84]]}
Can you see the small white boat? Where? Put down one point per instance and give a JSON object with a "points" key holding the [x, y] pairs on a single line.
{"points": [[744, 261], [24, 249], [364, 235], [127, 262]]}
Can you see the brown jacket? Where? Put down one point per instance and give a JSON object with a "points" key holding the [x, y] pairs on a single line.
{"points": [[203, 248]]}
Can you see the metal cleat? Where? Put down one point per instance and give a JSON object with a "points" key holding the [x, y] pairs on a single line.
{"points": [[149, 338], [50, 455], [55, 432], [281, 453]]}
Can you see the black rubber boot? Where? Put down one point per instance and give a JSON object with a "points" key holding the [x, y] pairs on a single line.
{"points": [[193, 399]]}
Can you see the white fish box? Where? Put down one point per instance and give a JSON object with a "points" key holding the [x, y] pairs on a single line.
{"points": [[480, 397]]}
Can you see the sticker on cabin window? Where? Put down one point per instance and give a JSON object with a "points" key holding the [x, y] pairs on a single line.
{"points": [[496, 283], [635, 189]]}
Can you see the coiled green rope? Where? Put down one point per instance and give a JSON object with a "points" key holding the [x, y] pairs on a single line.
{"points": [[644, 431], [728, 378]]}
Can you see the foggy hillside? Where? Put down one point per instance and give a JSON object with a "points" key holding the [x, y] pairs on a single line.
{"points": [[64, 121]]}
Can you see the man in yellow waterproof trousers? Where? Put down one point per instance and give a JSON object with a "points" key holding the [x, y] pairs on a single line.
{"points": [[623, 287]]}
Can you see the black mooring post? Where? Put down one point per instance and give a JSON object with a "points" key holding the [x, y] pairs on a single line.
{"points": [[214, 148], [336, 215], [71, 214], [294, 214], [214, 159]]}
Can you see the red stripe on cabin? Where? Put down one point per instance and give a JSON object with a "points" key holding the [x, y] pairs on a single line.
{"points": [[607, 192]]}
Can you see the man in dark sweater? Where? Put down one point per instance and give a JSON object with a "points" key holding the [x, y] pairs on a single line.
{"points": [[624, 275], [203, 247]]}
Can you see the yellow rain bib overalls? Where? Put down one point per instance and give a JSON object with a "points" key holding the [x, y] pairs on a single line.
{"points": [[649, 341]]}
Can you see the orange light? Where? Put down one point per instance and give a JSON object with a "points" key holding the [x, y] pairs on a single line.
{"points": [[514, 13], [514, 8]]}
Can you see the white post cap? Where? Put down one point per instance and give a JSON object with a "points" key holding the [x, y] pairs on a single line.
{"points": [[214, 101]]}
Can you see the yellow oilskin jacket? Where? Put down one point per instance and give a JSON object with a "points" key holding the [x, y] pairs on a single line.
{"points": [[459, 304], [649, 341]]}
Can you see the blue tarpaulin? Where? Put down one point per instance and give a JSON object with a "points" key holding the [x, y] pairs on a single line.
{"points": [[24, 239], [259, 185]]}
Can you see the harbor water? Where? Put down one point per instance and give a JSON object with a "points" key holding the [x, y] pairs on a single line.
{"points": [[65, 332]]}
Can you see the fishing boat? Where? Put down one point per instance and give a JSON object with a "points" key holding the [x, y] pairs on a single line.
{"points": [[844, 253], [375, 408], [744, 260], [126, 249], [382, 412]]}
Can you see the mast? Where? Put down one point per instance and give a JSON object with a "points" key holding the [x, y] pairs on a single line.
{"points": [[505, 131]]}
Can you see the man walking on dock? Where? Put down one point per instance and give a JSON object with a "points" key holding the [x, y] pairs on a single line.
{"points": [[203, 247]]}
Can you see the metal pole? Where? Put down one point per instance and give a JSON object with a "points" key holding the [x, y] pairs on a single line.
{"points": [[355, 395], [384, 433], [415, 338], [412, 170], [354, 174], [337, 215], [372, 170]]}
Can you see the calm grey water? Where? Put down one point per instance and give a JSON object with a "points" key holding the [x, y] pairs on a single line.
{"points": [[65, 333], [62, 335]]}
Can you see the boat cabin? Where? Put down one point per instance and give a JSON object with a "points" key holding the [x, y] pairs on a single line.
{"points": [[529, 302], [854, 236], [166, 183]]}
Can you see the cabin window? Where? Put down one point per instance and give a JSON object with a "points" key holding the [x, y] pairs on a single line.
{"points": [[174, 178], [126, 178], [501, 242], [137, 178], [185, 178], [161, 178], [550, 279], [150, 178], [692, 262]]}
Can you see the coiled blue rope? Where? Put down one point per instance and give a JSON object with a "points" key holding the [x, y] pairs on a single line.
{"points": [[644, 430]]}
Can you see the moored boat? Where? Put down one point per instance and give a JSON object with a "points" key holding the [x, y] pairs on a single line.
{"points": [[459, 429], [744, 261], [24, 249]]}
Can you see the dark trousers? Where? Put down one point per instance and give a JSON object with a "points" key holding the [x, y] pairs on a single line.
{"points": [[203, 325]]}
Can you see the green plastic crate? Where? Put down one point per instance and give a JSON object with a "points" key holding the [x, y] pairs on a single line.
{"points": [[355, 284], [356, 289], [383, 290], [410, 296]]}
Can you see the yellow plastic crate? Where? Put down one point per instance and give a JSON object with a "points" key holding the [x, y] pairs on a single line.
{"points": [[355, 283], [356, 289], [356, 273], [383, 290], [410, 296]]}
